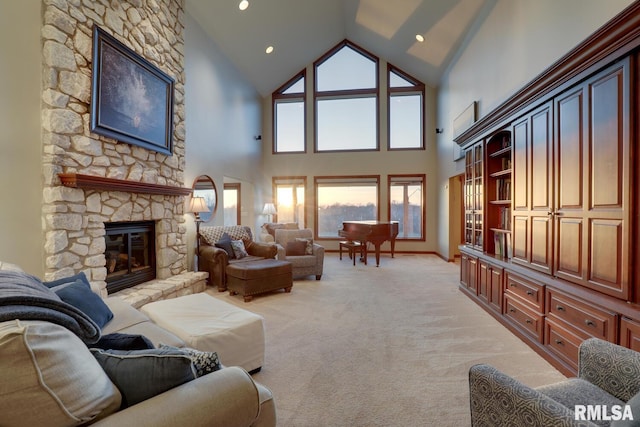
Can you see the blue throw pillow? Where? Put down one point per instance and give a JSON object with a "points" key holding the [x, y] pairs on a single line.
{"points": [[80, 295], [120, 341], [225, 243], [141, 374], [55, 283]]}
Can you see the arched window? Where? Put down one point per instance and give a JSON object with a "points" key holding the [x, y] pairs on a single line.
{"points": [[346, 99], [406, 113], [289, 117]]}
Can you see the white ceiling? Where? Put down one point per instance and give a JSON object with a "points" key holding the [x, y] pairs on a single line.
{"points": [[301, 31]]}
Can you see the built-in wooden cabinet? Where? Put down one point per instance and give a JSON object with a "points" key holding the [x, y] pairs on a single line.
{"points": [[561, 157]]}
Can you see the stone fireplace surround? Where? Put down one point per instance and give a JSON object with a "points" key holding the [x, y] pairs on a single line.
{"points": [[73, 217]]}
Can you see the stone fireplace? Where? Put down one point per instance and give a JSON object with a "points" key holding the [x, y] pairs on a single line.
{"points": [[91, 180]]}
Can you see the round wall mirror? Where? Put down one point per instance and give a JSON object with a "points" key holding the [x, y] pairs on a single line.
{"points": [[203, 186]]}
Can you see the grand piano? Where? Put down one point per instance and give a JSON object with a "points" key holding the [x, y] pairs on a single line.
{"points": [[376, 232]]}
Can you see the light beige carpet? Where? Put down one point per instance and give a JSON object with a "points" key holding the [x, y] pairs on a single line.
{"points": [[387, 346]]}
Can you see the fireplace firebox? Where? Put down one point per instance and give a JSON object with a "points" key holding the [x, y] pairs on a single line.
{"points": [[130, 254]]}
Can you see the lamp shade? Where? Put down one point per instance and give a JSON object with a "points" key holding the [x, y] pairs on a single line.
{"points": [[198, 205], [269, 209]]}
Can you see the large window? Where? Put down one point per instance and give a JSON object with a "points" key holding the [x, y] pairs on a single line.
{"points": [[406, 116], [289, 200], [289, 117], [231, 202], [406, 205], [345, 199], [346, 93]]}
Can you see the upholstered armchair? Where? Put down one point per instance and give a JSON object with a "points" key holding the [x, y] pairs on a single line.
{"points": [[608, 375], [297, 247], [213, 259], [268, 230]]}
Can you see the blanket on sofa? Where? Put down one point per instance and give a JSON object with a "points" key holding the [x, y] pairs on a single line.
{"points": [[24, 297]]}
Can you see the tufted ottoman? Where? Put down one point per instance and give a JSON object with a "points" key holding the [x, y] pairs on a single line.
{"points": [[256, 277], [208, 324]]}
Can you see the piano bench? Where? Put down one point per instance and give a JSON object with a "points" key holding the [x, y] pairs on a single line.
{"points": [[351, 248]]}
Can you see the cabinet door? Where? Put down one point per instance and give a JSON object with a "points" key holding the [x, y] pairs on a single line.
{"points": [[571, 236], [608, 209], [592, 183], [473, 196], [533, 190]]}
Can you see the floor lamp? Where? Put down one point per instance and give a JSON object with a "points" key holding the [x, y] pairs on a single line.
{"points": [[197, 205], [270, 210]]}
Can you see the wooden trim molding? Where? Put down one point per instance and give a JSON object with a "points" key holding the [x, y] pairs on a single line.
{"points": [[614, 40], [90, 182]]}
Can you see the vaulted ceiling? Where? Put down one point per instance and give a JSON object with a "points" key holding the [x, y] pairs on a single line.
{"points": [[301, 31]]}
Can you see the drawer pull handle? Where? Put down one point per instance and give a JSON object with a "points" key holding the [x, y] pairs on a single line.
{"points": [[530, 293], [589, 323], [529, 321], [512, 310], [560, 308], [559, 342]]}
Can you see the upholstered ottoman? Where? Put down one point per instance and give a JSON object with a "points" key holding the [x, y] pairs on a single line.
{"points": [[208, 324], [256, 277]]}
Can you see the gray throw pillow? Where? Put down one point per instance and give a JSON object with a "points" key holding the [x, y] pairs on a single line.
{"points": [[141, 374]]}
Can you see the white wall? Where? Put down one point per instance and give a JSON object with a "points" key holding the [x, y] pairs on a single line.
{"points": [[223, 115], [20, 137], [518, 40]]}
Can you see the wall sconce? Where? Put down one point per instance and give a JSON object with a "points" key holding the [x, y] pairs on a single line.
{"points": [[270, 210]]}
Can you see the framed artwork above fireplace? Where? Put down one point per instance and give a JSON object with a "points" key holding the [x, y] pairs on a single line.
{"points": [[131, 99]]}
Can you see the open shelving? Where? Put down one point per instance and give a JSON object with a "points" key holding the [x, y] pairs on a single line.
{"points": [[499, 198]]}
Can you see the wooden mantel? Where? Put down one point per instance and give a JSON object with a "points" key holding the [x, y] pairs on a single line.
{"points": [[90, 182]]}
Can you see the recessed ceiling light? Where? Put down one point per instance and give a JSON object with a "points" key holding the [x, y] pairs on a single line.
{"points": [[419, 37], [269, 49], [243, 4]]}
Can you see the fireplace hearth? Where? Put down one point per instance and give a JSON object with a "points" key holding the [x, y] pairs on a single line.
{"points": [[130, 254]]}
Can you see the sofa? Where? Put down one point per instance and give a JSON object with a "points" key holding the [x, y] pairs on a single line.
{"points": [[298, 248], [214, 258], [51, 376], [608, 378]]}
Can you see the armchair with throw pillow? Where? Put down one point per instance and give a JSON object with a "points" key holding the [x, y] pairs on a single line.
{"points": [[297, 247], [222, 245]]}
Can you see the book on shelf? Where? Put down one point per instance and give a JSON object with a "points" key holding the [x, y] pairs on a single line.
{"points": [[506, 141], [504, 218], [503, 189], [502, 245]]}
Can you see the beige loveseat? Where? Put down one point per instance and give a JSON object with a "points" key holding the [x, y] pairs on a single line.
{"points": [[50, 378], [214, 260]]}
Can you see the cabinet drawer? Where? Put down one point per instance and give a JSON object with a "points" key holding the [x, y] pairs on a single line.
{"points": [[594, 321], [524, 317], [562, 342], [529, 291], [630, 333]]}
